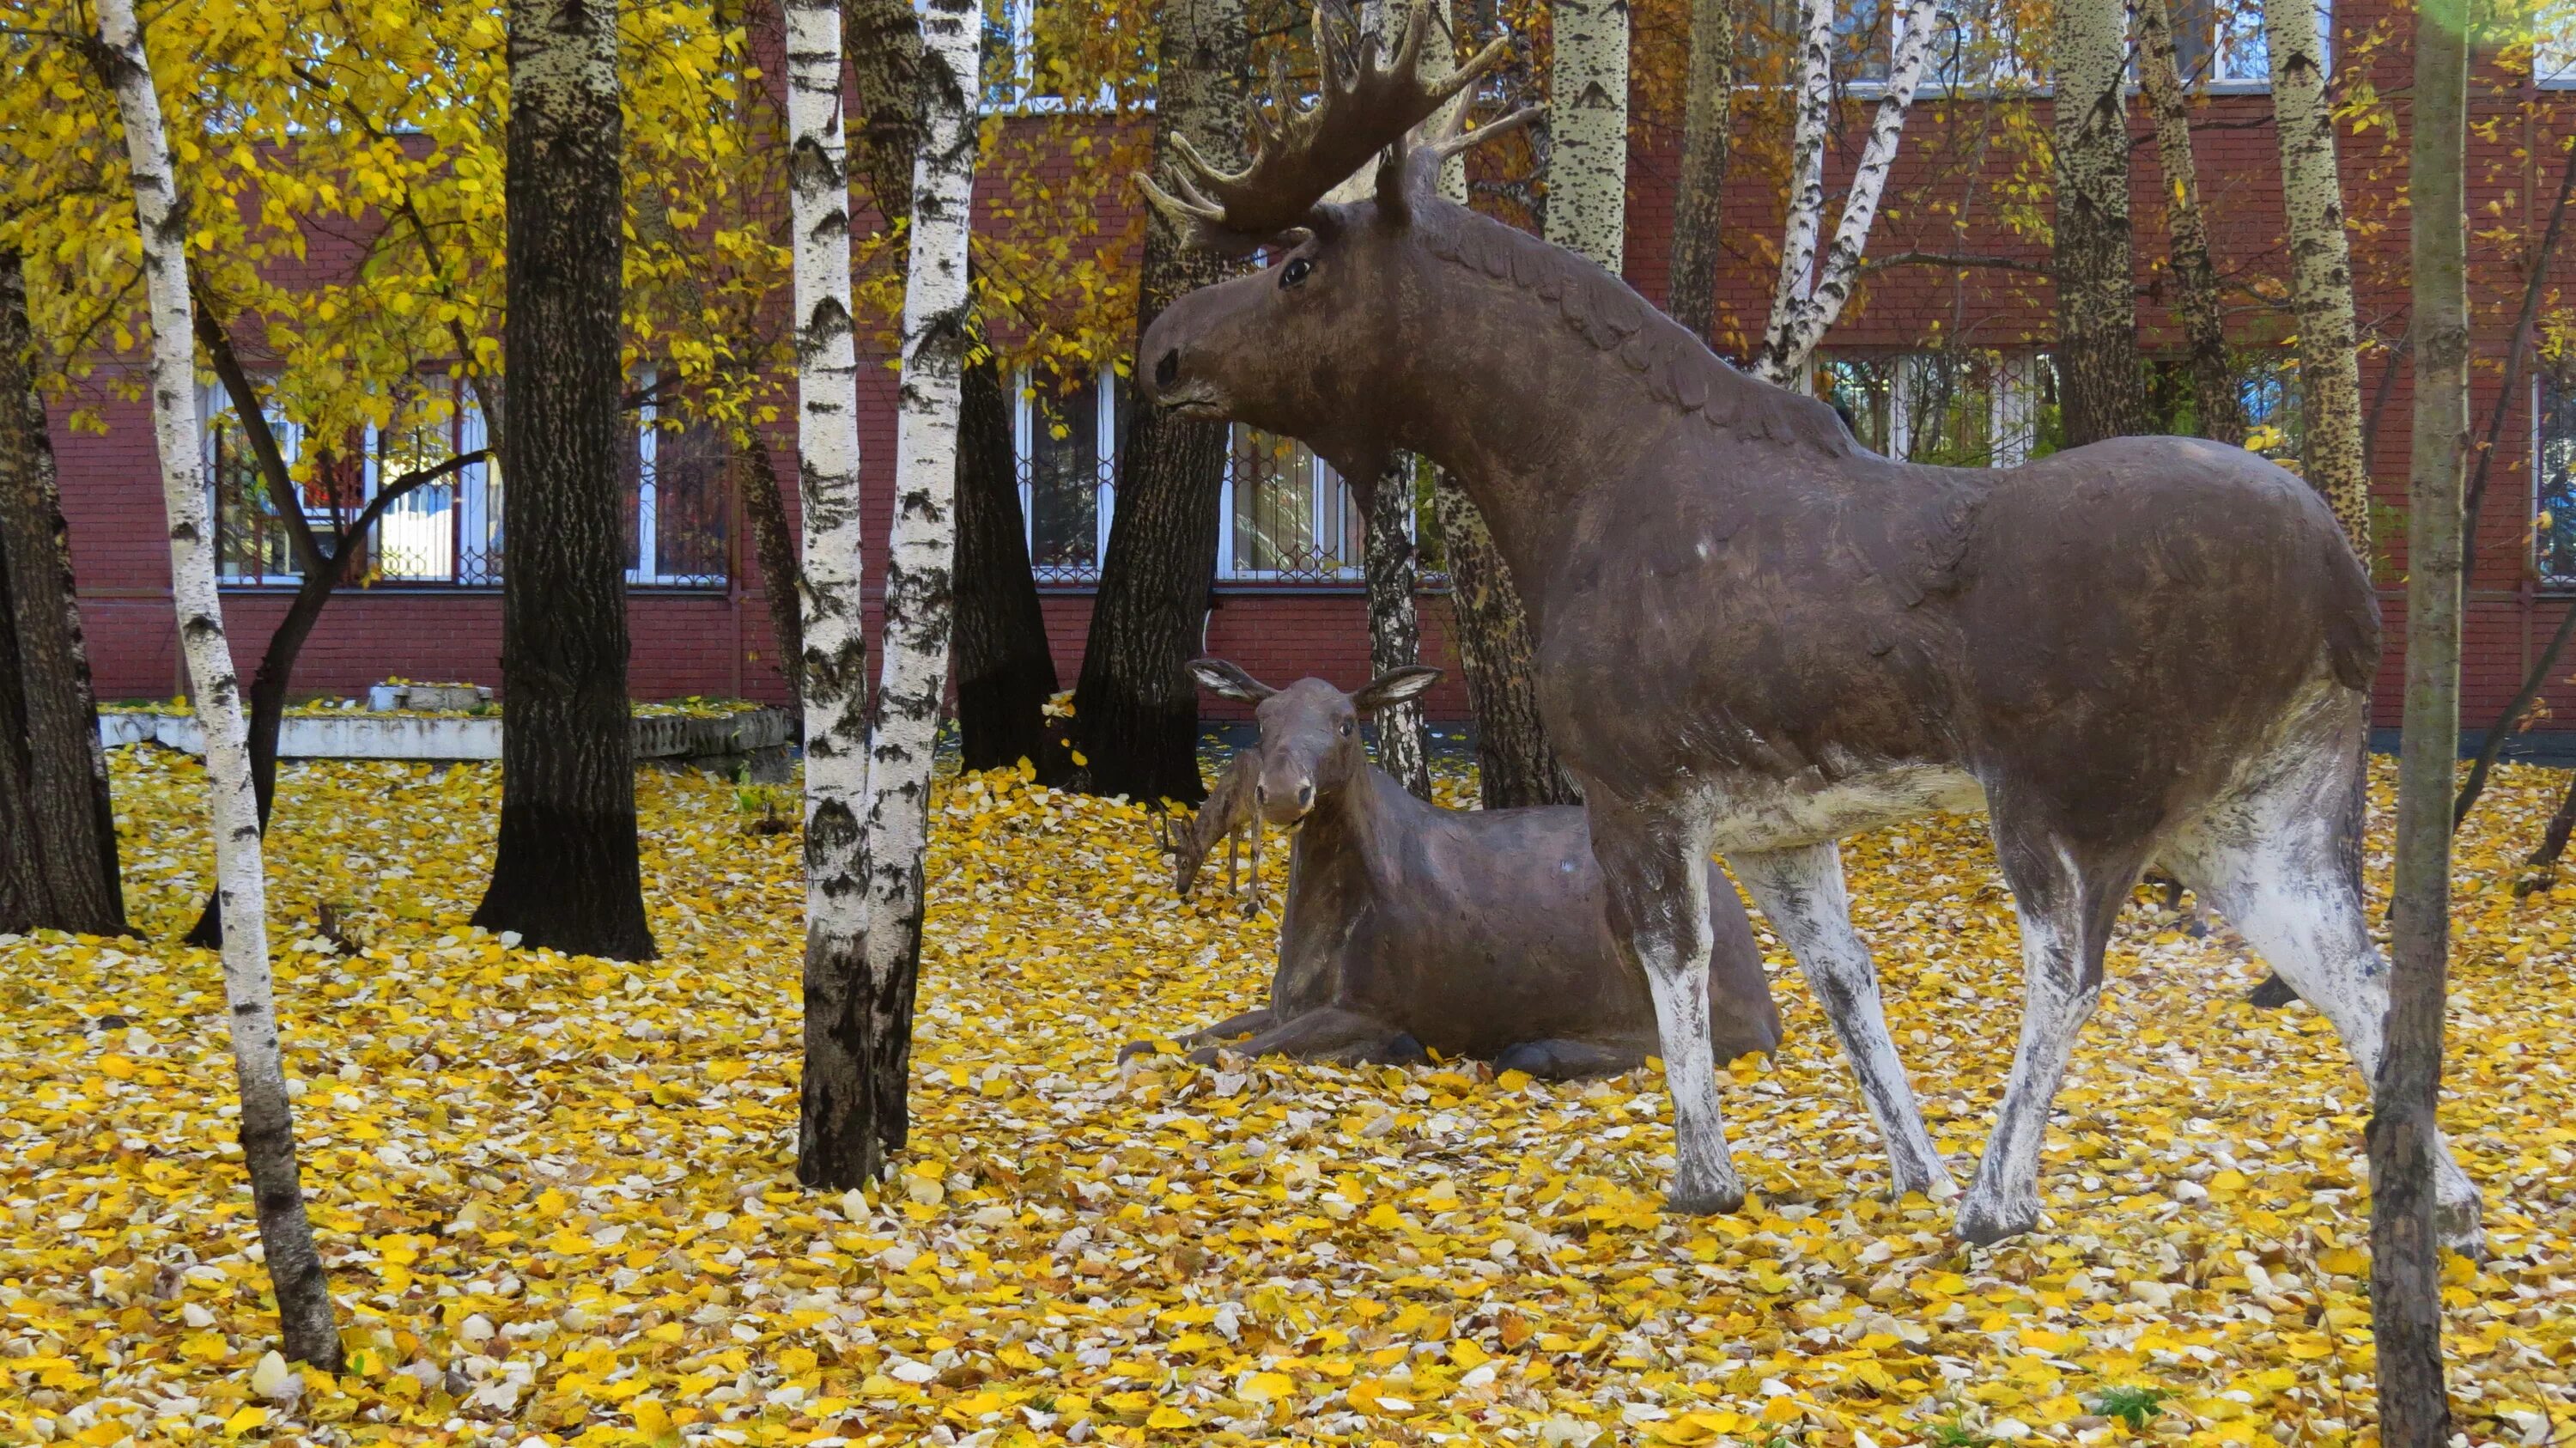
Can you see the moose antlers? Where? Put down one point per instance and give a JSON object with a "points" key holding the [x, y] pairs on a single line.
{"points": [[1300, 153]]}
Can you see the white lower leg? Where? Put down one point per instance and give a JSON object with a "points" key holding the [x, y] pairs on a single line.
{"points": [[1704, 1178]]}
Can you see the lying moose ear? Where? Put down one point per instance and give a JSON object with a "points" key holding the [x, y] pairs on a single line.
{"points": [[1394, 687], [1221, 676]]}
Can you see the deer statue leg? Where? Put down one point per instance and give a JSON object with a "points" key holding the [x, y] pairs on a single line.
{"points": [[1800, 891], [2067, 905], [1654, 872], [2274, 860]]}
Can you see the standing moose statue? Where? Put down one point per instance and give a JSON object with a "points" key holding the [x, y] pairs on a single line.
{"points": [[1756, 637]]}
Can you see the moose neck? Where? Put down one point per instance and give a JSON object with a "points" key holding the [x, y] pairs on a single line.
{"points": [[1541, 378]]}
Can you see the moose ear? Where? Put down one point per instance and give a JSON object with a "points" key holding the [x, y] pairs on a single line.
{"points": [[1394, 687], [1223, 677]]}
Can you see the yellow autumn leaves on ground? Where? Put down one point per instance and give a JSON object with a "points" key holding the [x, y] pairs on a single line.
{"points": [[555, 1199]]}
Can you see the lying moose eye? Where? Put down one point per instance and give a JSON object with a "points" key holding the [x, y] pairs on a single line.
{"points": [[1291, 275], [1346, 728]]}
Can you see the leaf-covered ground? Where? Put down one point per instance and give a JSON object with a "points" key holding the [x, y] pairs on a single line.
{"points": [[555, 1199]]}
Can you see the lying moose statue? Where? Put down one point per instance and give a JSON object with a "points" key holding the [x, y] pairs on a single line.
{"points": [[1469, 932]]}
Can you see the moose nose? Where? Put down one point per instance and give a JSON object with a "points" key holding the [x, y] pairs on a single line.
{"points": [[1169, 369]]}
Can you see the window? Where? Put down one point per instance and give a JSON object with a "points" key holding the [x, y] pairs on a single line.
{"points": [[447, 531], [2553, 479], [1029, 54], [252, 544], [2274, 424], [2553, 44], [1286, 516], [1068, 446], [1969, 407], [677, 506], [2222, 43]]}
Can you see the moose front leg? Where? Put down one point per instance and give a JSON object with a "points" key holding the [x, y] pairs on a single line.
{"points": [[1652, 866], [1801, 893]]}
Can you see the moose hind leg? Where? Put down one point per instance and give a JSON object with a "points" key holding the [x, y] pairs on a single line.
{"points": [[2067, 908], [1557, 1059], [1326, 1033], [1800, 891], [1652, 872], [2275, 869]]}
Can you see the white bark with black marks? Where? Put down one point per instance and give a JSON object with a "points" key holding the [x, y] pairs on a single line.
{"points": [[836, 1143], [1587, 176], [1803, 307], [267, 1120], [2320, 267], [920, 551]]}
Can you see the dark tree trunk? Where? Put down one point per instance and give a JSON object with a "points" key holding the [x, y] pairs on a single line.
{"points": [[1514, 762], [1005, 670], [57, 826], [2542, 867], [2213, 380], [1135, 709], [764, 506], [566, 872], [2405, 1256], [1395, 625], [2097, 330], [268, 716], [1707, 119]]}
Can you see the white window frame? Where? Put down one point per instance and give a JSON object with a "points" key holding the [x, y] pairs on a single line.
{"points": [[1354, 571], [213, 402], [1024, 49], [2553, 56], [640, 570], [1024, 425], [2012, 404], [469, 502]]}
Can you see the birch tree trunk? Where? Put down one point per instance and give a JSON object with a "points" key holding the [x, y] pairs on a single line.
{"points": [[2320, 268], [1587, 174], [836, 1129], [2213, 382], [2405, 1257], [1135, 707], [58, 864], [267, 1120], [1395, 630], [919, 557], [1708, 119], [2097, 314], [566, 872], [1803, 307]]}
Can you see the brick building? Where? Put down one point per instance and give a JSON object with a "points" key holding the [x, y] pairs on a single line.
{"points": [[1939, 361]]}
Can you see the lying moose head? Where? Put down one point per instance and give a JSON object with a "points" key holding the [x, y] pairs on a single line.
{"points": [[1310, 746]]}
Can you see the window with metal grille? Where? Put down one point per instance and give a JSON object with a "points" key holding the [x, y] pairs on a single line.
{"points": [[2222, 42], [447, 531], [1287, 516], [252, 544], [678, 509], [1068, 446], [2553, 480], [1960, 407]]}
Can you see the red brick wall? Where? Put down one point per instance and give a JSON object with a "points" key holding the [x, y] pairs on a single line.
{"points": [[719, 644]]}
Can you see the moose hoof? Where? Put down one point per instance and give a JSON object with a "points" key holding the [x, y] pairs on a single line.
{"points": [[2457, 1228], [1714, 1201], [1985, 1220]]}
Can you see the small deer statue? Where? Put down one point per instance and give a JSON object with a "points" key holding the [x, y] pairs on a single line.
{"points": [[1406, 926], [1227, 815]]}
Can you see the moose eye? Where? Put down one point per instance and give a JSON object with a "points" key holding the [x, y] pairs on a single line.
{"points": [[1291, 275], [1346, 728]]}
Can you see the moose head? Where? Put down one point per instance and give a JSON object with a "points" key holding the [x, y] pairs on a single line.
{"points": [[1301, 347], [1310, 746]]}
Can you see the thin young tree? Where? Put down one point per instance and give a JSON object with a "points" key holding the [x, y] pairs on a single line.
{"points": [[58, 865], [1708, 120], [2216, 402], [322, 566], [267, 1119], [837, 1133], [1388, 563], [2405, 1252], [567, 872], [920, 553], [1136, 710], [1807, 298], [2320, 268], [2097, 314]]}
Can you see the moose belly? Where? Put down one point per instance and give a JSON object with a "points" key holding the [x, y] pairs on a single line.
{"points": [[1755, 812]]}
